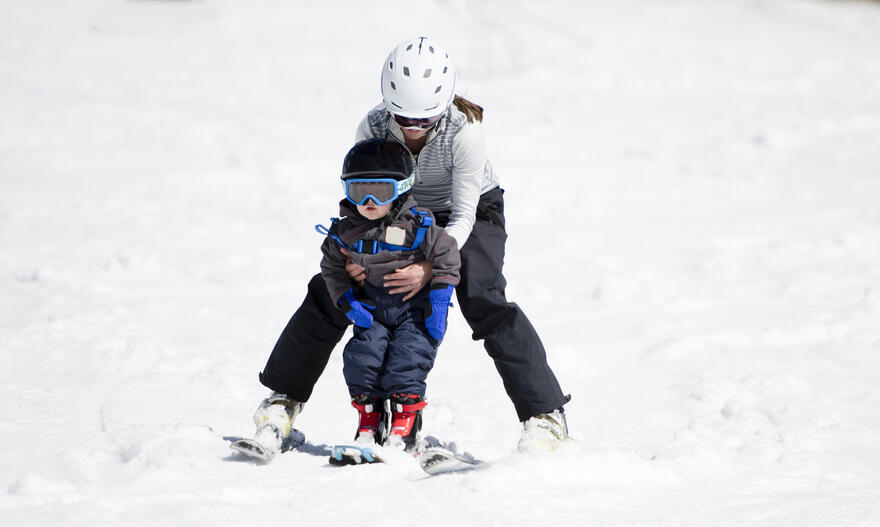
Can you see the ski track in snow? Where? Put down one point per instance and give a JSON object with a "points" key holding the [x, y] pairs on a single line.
{"points": [[692, 202]]}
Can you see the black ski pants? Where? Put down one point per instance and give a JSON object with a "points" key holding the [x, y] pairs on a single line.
{"points": [[304, 347]]}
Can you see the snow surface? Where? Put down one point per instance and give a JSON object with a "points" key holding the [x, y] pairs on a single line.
{"points": [[694, 214]]}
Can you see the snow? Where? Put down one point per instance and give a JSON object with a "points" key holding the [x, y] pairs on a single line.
{"points": [[694, 217]]}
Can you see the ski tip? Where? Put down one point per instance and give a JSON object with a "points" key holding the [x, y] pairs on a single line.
{"points": [[252, 450], [435, 461]]}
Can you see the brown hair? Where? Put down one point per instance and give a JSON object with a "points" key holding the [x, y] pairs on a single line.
{"points": [[471, 110]]}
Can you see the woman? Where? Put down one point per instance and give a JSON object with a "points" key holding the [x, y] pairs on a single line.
{"points": [[456, 181]]}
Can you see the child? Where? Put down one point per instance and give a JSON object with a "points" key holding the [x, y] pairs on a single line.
{"points": [[395, 341]]}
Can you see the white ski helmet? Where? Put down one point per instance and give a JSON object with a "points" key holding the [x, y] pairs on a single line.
{"points": [[418, 79]]}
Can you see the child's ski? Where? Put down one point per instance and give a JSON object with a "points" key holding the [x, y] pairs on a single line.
{"points": [[438, 460], [353, 455], [434, 460]]}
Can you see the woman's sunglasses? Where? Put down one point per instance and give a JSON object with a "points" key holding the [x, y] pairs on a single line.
{"points": [[424, 124]]}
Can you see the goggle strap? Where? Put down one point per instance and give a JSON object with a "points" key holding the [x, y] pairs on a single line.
{"points": [[406, 184]]}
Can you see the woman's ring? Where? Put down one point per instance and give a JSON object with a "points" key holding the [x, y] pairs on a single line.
{"points": [[410, 287]]}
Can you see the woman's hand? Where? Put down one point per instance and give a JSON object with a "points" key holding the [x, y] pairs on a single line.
{"points": [[356, 272], [409, 279]]}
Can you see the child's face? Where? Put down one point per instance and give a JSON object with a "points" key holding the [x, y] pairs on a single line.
{"points": [[371, 211]]}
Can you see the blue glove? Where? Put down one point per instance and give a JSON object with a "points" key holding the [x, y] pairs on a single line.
{"points": [[355, 310], [436, 310]]}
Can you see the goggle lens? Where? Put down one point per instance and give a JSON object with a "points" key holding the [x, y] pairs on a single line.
{"points": [[381, 192], [406, 122]]}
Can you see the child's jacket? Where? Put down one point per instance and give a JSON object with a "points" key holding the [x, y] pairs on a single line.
{"points": [[403, 230]]}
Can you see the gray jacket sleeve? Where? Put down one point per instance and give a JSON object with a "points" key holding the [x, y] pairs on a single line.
{"points": [[468, 169], [363, 130], [333, 270]]}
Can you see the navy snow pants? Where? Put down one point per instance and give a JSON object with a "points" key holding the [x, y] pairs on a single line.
{"points": [[395, 354], [304, 347]]}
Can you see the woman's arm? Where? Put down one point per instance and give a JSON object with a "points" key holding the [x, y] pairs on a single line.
{"points": [[468, 167], [409, 279], [363, 130]]}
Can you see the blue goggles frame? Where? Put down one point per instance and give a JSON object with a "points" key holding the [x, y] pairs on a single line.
{"points": [[380, 190]]}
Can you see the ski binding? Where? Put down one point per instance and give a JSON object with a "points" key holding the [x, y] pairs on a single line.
{"points": [[353, 455]]}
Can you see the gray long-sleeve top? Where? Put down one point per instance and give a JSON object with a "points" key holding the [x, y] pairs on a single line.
{"points": [[438, 247]]}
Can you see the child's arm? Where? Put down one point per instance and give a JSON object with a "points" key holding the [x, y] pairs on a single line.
{"points": [[441, 250], [341, 287], [333, 270]]}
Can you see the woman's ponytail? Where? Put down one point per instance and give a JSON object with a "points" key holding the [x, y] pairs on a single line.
{"points": [[471, 110]]}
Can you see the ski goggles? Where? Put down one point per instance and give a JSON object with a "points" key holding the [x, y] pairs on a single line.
{"points": [[425, 123], [380, 191]]}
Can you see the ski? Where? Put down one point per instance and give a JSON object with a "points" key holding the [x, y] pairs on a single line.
{"points": [[433, 457], [252, 449], [438, 460], [261, 452], [434, 460], [343, 455]]}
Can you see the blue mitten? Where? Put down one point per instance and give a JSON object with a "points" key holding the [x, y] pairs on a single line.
{"points": [[355, 310], [436, 310]]}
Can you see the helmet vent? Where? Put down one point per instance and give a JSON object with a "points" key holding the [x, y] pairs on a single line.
{"points": [[409, 47], [390, 64], [393, 86], [427, 73], [406, 71], [431, 49], [438, 89], [445, 69]]}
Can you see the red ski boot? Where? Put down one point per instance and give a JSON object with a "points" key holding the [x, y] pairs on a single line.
{"points": [[406, 419], [371, 428]]}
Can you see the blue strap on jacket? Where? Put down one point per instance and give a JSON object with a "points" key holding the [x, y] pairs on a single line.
{"points": [[376, 246]]}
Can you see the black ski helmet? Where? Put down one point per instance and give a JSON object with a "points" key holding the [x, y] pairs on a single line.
{"points": [[378, 157]]}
